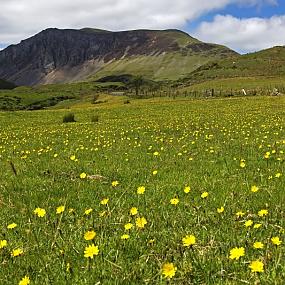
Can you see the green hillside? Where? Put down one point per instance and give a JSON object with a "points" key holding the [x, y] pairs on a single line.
{"points": [[268, 63], [167, 65]]}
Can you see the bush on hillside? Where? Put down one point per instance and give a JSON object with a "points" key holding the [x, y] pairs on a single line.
{"points": [[69, 118]]}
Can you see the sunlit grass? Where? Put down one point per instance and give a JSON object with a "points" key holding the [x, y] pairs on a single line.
{"points": [[157, 191]]}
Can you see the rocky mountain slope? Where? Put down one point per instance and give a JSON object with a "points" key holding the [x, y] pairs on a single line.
{"points": [[57, 56]]}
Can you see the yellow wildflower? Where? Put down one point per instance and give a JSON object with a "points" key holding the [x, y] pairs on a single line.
{"points": [[91, 250], [141, 190], [3, 243], [60, 209], [187, 189], [256, 266], [128, 226], [88, 211], [248, 223], [276, 240], [133, 211], [25, 281], [174, 201], [17, 252], [204, 195], [258, 245], [237, 252], [40, 212], [104, 201], [125, 236], [189, 240], [89, 235], [11, 226], [220, 210], [254, 189], [168, 270], [83, 175], [262, 213], [141, 222]]}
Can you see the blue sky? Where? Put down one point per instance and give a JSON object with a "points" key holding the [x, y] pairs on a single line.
{"points": [[242, 11], [243, 25]]}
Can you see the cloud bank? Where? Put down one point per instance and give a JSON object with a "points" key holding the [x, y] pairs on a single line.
{"points": [[245, 35]]}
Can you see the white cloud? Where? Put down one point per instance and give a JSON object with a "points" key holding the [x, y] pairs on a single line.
{"points": [[245, 35], [22, 18]]}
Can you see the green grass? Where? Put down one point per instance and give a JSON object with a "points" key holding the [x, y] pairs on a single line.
{"points": [[200, 143], [265, 63], [168, 66], [259, 85], [46, 96]]}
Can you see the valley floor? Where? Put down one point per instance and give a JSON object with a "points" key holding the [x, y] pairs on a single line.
{"points": [[155, 192]]}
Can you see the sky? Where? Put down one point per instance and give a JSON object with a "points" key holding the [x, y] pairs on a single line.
{"points": [[243, 25]]}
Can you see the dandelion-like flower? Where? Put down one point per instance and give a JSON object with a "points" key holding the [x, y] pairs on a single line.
{"points": [[141, 190], [220, 210], [89, 235], [262, 213], [204, 195], [72, 157], [257, 226], [128, 226], [174, 201], [189, 240], [240, 214], [133, 211], [242, 164], [91, 250], [25, 281], [60, 209], [237, 252], [3, 243], [187, 189], [256, 266], [168, 270], [254, 189], [11, 226], [125, 237], [88, 211], [258, 245], [276, 240], [115, 183], [40, 212], [83, 175], [141, 222], [17, 252], [248, 223], [104, 201]]}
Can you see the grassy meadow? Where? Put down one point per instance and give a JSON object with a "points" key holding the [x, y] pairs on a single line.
{"points": [[158, 191]]}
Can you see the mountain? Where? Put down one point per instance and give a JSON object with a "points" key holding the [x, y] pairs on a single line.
{"points": [[265, 63], [6, 85], [59, 56]]}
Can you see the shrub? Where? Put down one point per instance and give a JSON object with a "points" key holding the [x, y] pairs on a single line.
{"points": [[95, 118], [127, 102], [68, 118]]}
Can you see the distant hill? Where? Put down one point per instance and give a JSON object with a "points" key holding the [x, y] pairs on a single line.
{"points": [[265, 63], [6, 85], [59, 56]]}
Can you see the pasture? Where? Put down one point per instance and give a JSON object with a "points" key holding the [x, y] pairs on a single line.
{"points": [[157, 191]]}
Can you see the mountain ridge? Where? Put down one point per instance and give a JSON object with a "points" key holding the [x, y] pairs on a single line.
{"points": [[68, 55]]}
